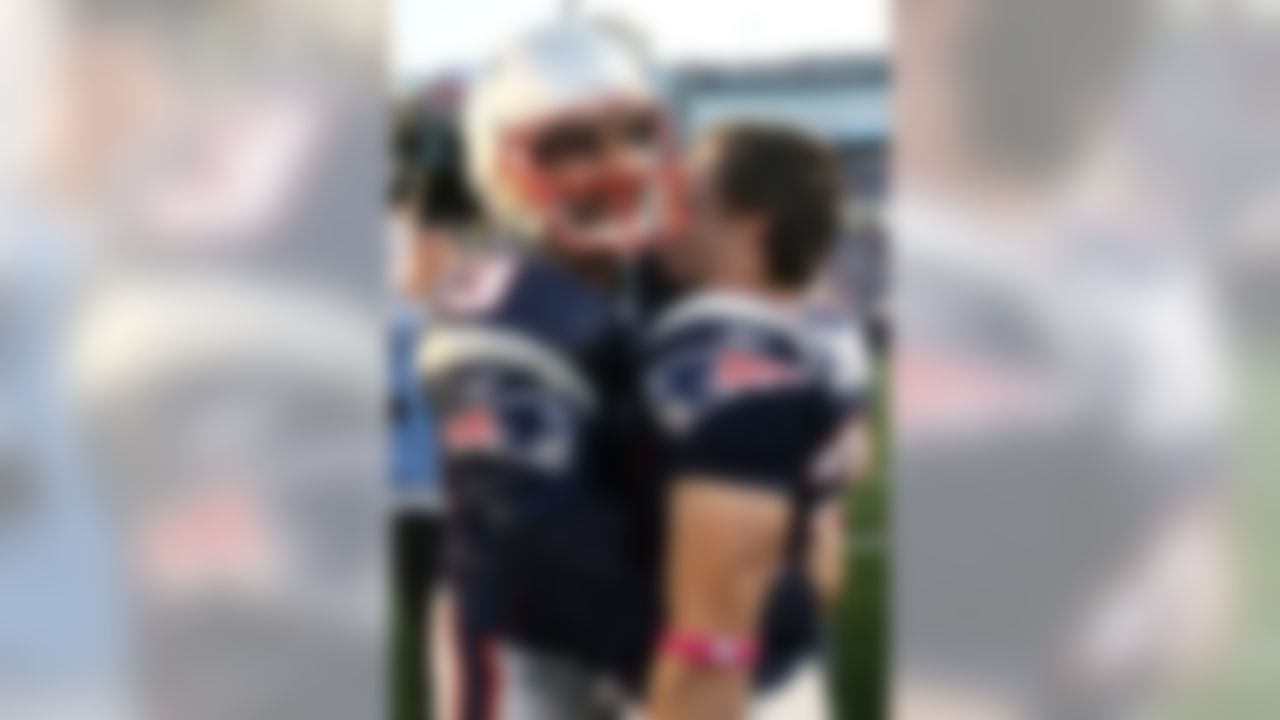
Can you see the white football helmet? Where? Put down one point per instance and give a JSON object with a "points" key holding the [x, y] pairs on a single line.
{"points": [[573, 72]]}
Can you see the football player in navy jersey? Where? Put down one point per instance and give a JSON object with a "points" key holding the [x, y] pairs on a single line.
{"points": [[529, 369], [757, 402]]}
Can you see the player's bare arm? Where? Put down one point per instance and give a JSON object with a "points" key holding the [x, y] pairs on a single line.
{"points": [[725, 545]]}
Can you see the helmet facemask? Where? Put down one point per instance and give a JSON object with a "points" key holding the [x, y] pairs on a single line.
{"points": [[599, 179]]}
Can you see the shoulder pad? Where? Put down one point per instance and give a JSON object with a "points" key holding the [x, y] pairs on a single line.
{"points": [[728, 310], [716, 349], [502, 398], [451, 348]]}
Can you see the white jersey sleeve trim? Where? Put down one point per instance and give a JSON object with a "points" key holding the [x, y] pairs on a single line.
{"points": [[446, 348]]}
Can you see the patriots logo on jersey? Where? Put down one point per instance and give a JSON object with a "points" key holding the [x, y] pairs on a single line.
{"points": [[739, 370], [527, 429], [690, 385], [474, 429]]}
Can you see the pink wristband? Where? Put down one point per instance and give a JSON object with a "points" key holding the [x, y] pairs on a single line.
{"points": [[710, 652]]}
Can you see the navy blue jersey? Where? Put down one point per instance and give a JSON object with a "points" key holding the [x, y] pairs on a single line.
{"points": [[746, 392], [527, 369]]}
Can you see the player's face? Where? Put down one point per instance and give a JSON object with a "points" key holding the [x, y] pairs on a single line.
{"points": [[711, 231], [603, 169]]}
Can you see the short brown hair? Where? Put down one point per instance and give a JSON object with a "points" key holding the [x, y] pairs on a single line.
{"points": [[790, 178]]}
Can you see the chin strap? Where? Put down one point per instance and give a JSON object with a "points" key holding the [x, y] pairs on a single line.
{"points": [[709, 651]]}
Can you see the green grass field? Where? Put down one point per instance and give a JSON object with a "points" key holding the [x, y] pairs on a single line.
{"points": [[862, 633]]}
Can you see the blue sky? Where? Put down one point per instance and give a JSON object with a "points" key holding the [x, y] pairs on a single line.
{"points": [[428, 35]]}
